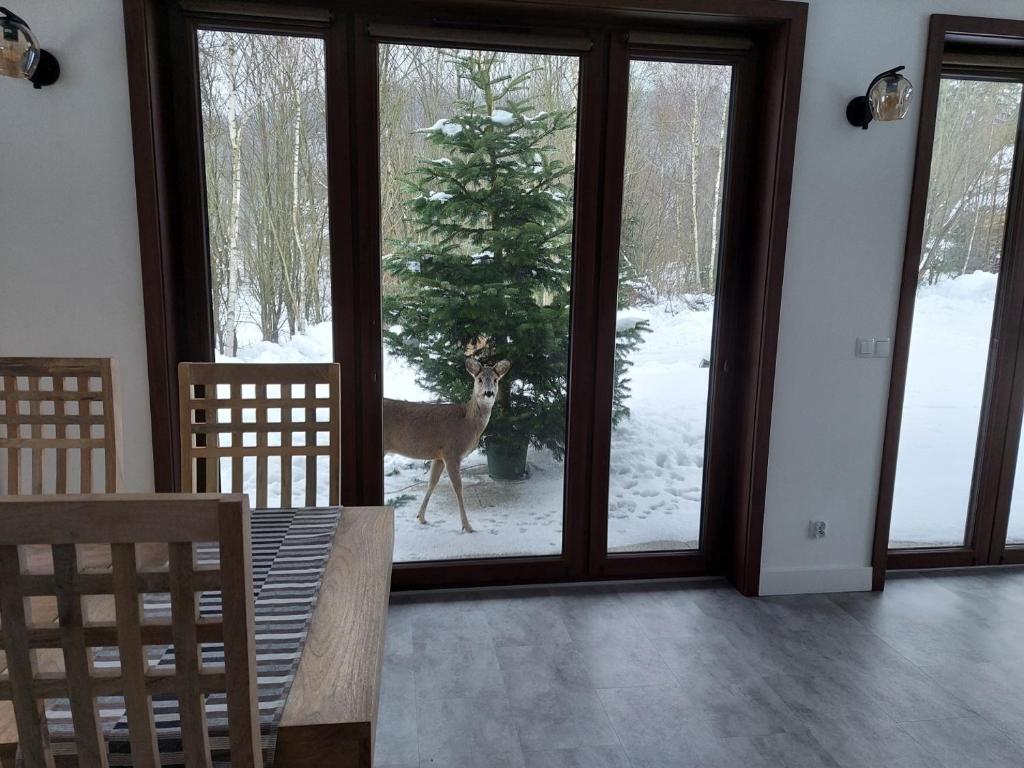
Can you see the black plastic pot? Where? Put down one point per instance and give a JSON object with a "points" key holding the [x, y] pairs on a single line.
{"points": [[506, 460]]}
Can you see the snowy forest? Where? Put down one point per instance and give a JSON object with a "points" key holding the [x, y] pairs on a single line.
{"points": [[265, 139], [264, 132], [972, 162]]}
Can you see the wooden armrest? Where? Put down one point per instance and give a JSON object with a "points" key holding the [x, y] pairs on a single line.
{"points": [[331, 714]]}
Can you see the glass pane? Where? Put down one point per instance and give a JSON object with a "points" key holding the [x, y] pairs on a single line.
{"points": [[1015, 531], [265, 149], [671, 216], [477, 155], [972, 162], [265, 152]]}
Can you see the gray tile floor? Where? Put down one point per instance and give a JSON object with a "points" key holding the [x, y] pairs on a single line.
{"points": [[928, 674]]}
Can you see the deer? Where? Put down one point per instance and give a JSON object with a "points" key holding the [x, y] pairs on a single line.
{"points": [[444, 433]]}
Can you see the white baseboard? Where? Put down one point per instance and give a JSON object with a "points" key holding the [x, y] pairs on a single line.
{"points": [[804, 581]]}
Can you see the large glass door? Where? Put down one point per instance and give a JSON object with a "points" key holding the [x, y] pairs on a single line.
{"points": [[950, 349], [495, 296], [477, 158], [953, 498], [556, 342], [677, 130]]}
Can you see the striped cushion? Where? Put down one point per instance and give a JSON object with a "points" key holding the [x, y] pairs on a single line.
{"points": [[290, 549]]}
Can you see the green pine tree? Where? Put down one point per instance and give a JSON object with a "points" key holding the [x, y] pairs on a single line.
{"points": [[488, 273], [633, 287]]}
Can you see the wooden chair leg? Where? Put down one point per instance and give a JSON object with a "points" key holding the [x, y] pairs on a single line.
{"points": [[8, 755]]}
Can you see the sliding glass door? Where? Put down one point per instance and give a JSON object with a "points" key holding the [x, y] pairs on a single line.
{"points": [[477, 167], [676, 145], [955, 495], [526, 247], [976, 131], [488, 255]]}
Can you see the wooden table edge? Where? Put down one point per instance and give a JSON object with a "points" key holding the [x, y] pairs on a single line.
{"points": [[330, 716]]}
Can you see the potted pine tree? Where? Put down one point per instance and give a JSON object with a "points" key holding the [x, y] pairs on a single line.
{"points": [[488, 271]]}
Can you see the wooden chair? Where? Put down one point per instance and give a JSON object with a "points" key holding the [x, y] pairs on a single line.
{"points": [[121, 522], [239, 410], [58, 419]]}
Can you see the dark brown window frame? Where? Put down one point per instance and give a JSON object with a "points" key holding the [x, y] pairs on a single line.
{"points": [[172, 234], [1000, 429]]}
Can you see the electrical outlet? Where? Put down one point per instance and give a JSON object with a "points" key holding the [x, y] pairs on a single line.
{"points": [[818, 529]]}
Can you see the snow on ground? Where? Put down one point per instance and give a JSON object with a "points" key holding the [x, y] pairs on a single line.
{"points": [[941, 411], [658, 451], [657, 455]]}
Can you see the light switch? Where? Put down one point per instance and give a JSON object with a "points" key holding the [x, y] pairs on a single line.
{"points": [[865, 347], [873, 347]]}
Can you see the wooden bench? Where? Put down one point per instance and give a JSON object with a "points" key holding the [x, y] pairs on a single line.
{"points": [[330, 717]]}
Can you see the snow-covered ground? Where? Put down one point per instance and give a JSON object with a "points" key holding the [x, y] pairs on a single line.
{"points": [[657, 456], [941, 411], [658, 451]]}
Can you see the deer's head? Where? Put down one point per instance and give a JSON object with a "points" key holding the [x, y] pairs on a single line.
{"points": [[485, 380]]}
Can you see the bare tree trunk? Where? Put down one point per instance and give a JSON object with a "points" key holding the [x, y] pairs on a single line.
{"points": [[694, 170], [716, 203], [934, 239], [679, 235], [970, 240], [298, 309], [977, 207], [232, 276], [993, 216]]}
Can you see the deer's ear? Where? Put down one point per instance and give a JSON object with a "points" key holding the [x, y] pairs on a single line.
{"points": [[472, 366], [502, 368]]}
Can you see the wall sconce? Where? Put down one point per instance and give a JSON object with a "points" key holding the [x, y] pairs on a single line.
{"points": [[887, 99], [20, 54]]}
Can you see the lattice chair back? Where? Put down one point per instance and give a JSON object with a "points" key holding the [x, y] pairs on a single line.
{"points": [[60, 426], [128, 528], [263, 430]]}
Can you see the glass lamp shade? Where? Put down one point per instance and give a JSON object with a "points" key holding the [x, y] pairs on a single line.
{"points": [[19, 49], [889, 98]]}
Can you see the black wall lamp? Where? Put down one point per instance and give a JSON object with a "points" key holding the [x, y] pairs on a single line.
{"points": [[20, 54], [887, 99]]}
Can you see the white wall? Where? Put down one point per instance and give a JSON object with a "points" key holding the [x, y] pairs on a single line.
{"points": [[70, 280], [847, 228]]}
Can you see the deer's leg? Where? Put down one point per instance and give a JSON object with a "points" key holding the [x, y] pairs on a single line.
{"points": [[455, 476], [435, 474]]}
